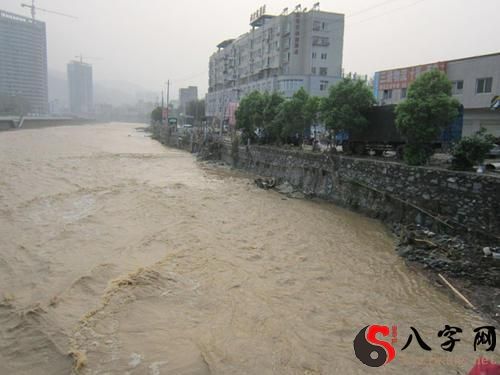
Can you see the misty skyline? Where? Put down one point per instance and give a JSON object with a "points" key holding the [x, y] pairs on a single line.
{"points": [[148, 42]]}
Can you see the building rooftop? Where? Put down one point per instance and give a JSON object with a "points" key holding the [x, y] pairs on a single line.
{"points": [[225, 43], [76, 62], [17, 17], [444, 61], [261, 20]]}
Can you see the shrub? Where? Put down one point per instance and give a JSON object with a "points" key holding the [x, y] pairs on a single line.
{"points": [[416, 154], [472, 150]]}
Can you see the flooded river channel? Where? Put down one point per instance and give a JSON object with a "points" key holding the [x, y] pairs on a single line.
{"points": [[137, 259]]}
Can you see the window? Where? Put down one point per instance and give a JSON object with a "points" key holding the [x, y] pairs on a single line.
{"points": [[324, 56], [387, 94], [403, 93], [323, 85], [457, 87], [313, 70], [314, 55], [320, 26], [483, 85], [291, 84], [320, 41], [323, 71]]}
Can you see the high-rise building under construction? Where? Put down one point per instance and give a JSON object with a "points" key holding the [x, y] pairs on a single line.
{"points": [[23, 62]]}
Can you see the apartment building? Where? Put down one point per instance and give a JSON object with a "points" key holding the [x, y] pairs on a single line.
{"points": [[280, 53], [23, 61], [475, 83]]}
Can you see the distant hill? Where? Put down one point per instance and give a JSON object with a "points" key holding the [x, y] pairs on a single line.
{"points": [[105, 92]]}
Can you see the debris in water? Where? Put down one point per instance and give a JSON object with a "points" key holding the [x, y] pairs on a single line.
{"points": [[54, 301], [79, 359], [155, 367], [285, 188], [135, 360], [265, 183]]}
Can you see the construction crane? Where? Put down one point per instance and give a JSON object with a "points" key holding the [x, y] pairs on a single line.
{"points": [[80, 57], [34, 9]]}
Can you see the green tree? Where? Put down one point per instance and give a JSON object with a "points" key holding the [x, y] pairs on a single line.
{"points": [[344, 107], [156, 114], [472, 150], [196, 110], [271, 104], [250, 114], [312, 110], [291, 117], [428, 109]]}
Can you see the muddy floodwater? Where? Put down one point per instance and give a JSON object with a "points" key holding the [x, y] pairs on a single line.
{"points": [[137, 259]]}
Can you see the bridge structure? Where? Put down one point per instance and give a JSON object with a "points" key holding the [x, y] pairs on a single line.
{"points": [[18, 122]]}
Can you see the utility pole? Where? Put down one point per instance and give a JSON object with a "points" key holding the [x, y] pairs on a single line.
{"points": [[162, 105], [168, 93], [168, 102], [223, 112]]}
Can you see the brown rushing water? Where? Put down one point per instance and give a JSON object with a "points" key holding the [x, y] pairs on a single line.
{"points": [[150, 263]]}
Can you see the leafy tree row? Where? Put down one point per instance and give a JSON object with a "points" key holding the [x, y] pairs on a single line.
{"points": [[272, 119], [428, 109]]}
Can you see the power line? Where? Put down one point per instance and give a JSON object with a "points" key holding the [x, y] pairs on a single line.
{"points": [[187, 78], [388, 12], [370, 8]]}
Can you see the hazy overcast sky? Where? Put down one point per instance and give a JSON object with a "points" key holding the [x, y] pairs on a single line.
{"points": [[149, 41]]}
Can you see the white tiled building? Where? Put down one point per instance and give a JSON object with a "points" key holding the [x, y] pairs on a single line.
{"points": [[280, 53]]}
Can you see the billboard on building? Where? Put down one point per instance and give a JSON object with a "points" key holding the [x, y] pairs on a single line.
{"points": [[402, 78]]}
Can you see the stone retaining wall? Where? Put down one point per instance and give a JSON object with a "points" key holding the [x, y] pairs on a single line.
{"points": [[387, 190]]}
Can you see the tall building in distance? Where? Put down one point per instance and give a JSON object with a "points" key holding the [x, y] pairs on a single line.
{"points": [[187, 95], [81, 88], [23, 62], [280, 53]]}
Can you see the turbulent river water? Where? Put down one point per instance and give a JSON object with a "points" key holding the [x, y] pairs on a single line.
{"points": [[120, 256]]}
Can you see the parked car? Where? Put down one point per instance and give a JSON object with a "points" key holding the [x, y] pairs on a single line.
{"points": [[494, 152]]}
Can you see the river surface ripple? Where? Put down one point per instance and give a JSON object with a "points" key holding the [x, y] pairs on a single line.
{"points": [[139, 260]]}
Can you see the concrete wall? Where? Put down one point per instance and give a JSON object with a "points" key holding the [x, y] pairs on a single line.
{"points": [[469, 71], [387, 190], [475, 119]]}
